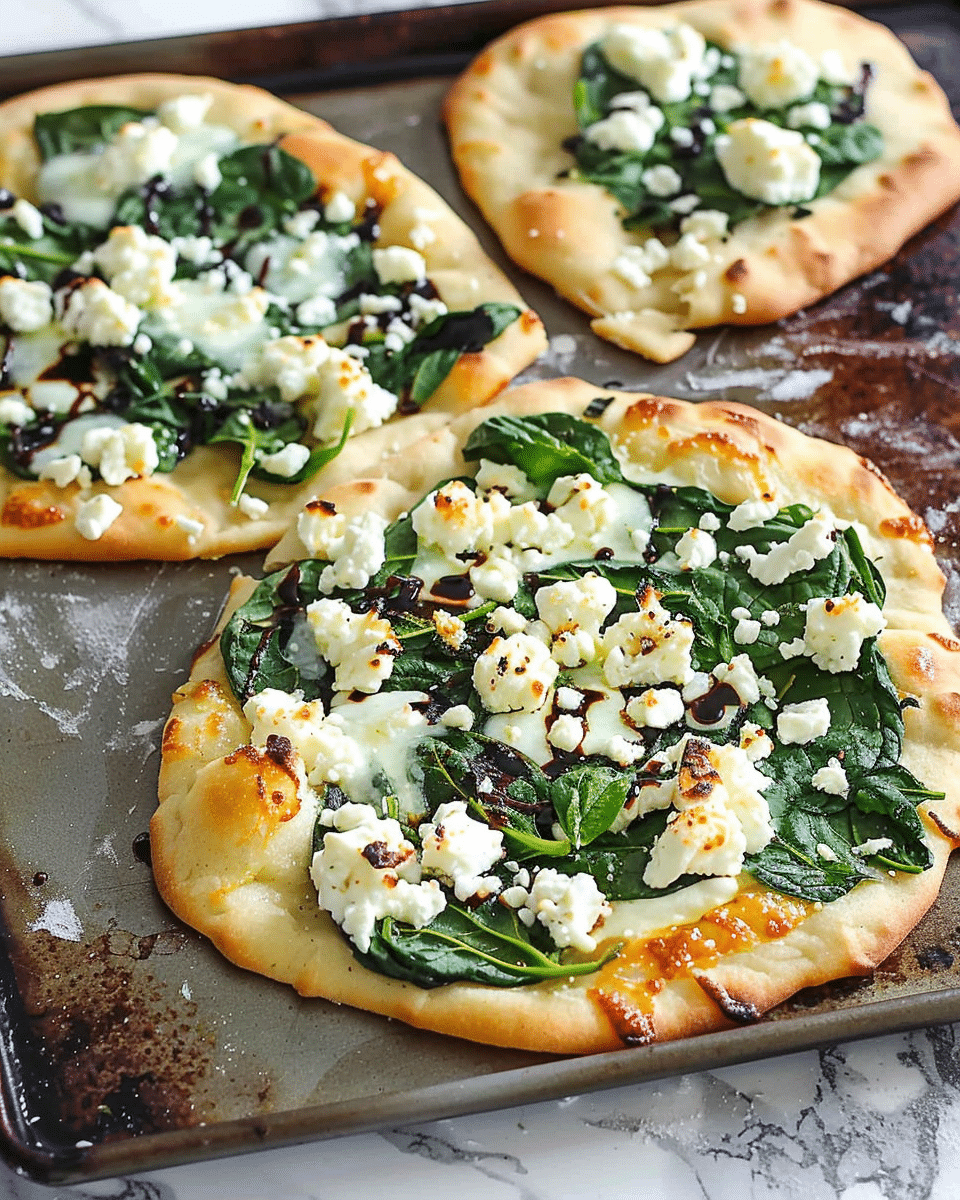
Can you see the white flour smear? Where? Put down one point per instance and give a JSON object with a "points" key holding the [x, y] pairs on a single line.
{"points": [[59, 647], [60, 919]]}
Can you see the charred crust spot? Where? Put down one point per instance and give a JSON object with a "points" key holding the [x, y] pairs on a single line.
{"points": [[24, 512], [631, 1024], [737, 271], [646, 411], [327, 507], [912, 528], [739, 1011], [365, 486], [948, 643], [279, 750], [529, 320]]}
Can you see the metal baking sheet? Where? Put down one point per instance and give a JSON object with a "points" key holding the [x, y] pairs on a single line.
{"points": [[126, 1042]]}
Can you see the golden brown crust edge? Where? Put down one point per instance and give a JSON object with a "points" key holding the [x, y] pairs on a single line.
{"points": [[232, 860], [37, 518], [506, 127]]}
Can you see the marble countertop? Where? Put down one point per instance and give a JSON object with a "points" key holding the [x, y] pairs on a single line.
{"points": [[865, 1121]]}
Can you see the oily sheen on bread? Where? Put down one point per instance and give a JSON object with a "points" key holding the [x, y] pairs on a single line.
{"points": [[191, 510], [234, 834], [513, 129]]}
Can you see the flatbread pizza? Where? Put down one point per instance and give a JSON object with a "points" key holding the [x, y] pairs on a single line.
{"points": [[733, 160], [203, 292], [591, 719]]}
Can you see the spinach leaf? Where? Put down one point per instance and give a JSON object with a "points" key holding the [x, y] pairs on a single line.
{"points": [[545, 447], [488, 944], [42, 258], [847, 143], [419, 368], [75, 130]]}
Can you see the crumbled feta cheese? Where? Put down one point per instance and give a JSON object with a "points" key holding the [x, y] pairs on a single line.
{"points": [[450, 629], [134, 155], [360, 646], [454, 519], [460, 716], [814, 115], [836, 629], [873, 846], [13, 411], [206, 173], [252, 506], [776, 74], [399, 264], [368, 870], [460, 850], [566, 732], [498, 578], [751, 513], [569, 698], [689, 253], [61, 471], [505, 478], [648, 647], [695, 549], [286, 462], [834, 70], [827, 853], [573, 611], [514, 674], [746, 631], [28, 217], [661, 180], [120, 454], [813, 541], [656, 708], [637, 264], [724, 97], [755, 742], [506, 620], [95, 516], [97, 314], [738, 302], [685, 204], [339, 209], [319, 311], [705, 225], [709, 522], [184, 113], [25, 306], [765, 162], [741, 675], [423, 311], [327, 381], [568, 906], [831, 779], [799, 724], [664, 61], [626, 129], [190, 526]]}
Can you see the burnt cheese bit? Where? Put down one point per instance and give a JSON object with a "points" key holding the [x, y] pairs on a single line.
{"points": [[382, 858]]}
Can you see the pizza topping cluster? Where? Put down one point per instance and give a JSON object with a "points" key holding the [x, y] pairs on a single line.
{"points": [[176, 288], [659, 689], [677, 128]]}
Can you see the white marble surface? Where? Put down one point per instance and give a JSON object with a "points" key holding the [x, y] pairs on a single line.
{"points": [[877, 1120]]}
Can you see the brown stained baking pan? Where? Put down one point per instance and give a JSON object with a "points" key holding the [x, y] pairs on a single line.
{"points": [[126, 1041]]}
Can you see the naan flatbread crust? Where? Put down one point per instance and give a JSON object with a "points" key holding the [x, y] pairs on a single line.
{"points": [[231, 839], [160, 512], [510, 112]]}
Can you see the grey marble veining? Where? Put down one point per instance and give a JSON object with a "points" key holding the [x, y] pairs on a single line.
{"points": [[876, 1120]]}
